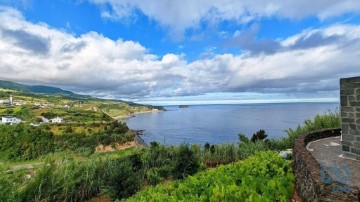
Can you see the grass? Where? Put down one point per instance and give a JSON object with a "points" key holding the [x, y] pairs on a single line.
{"points": [[86, 129]]}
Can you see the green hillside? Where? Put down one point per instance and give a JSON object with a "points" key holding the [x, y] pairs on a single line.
{"points": [[33, 89]]}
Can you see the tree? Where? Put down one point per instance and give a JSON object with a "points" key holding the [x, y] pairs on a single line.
{"points": [[186, 163], [207, 146], [259, 136], [243, 138], [154, 145], [212, 149]]}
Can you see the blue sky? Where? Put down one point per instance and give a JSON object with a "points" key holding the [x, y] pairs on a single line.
{"points": [[172, 52]]}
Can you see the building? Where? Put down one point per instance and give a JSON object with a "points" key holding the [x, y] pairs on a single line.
{"points": [[350, 117], [7, 101], [10, 120], [57, 120]]}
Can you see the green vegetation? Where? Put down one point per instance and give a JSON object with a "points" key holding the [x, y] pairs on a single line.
{"points": [[65, 167], [262, 177], [327, 120], [69, 179], [24, 142], [72, 107], [323, 121]]}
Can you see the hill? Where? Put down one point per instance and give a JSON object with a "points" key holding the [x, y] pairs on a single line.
{"points": [[66, 94], [33, 88], [31, 102]]}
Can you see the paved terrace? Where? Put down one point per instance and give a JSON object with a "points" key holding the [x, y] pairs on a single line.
{"points": [[328, 151]]}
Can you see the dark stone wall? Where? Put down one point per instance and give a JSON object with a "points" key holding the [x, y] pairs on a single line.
{"points": [[307, 172], [350, 116]]}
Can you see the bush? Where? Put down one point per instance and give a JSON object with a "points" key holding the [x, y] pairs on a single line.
{"points": [[186, 162], [262, 177], [23, 142], [120, 179], [153, 176]]}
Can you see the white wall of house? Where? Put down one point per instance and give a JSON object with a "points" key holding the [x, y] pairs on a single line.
{"points": [[10, 120], [57, 120]]}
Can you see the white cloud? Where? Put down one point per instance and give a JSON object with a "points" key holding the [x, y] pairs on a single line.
{"points": [[180, 15], [95, 64]]}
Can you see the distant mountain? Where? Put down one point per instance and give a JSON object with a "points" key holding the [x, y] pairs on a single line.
{"points": [[34, 89], [58, 91]]}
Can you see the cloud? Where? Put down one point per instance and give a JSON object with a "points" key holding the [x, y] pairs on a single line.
{"points": [[27, 41], [247, 41], [177, 16], [309, 62]]}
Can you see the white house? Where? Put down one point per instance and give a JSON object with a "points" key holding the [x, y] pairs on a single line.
{"points": [[57, 120], [5, 102], [10, 120]]}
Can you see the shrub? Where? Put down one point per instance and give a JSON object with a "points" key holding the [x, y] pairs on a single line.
{"points": [[153, 176], [186, 162], [263, 177], [120, 179]]}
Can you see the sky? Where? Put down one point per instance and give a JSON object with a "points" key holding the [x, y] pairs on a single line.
{"points": [[183, 52]]}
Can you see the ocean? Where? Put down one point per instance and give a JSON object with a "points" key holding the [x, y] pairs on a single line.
{"points": [[198, 124]]}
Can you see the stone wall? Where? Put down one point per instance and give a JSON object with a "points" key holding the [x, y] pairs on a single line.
{"points": [[350, 116], [307, 172]]}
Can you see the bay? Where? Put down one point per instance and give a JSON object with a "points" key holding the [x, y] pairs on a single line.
{"points": [[198, 124]]}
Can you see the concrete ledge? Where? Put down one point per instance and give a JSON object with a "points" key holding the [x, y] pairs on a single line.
{"points": [[350, 155], [307, 171]]}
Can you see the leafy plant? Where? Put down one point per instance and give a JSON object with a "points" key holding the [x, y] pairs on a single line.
{"points": [[263, 177]]}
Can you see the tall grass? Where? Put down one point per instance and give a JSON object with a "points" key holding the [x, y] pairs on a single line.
{"points": [[63, 181], [7, 184], [327, 120], [323, 121]]}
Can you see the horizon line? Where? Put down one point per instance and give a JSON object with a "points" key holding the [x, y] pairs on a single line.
{"points": [[234, 102]]}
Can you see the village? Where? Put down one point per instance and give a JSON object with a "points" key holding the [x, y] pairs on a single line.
{"points": [[45, 109], [11, 120]]}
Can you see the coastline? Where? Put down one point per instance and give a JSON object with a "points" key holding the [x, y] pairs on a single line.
{"points": [[139, 142], [121, 118]]}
